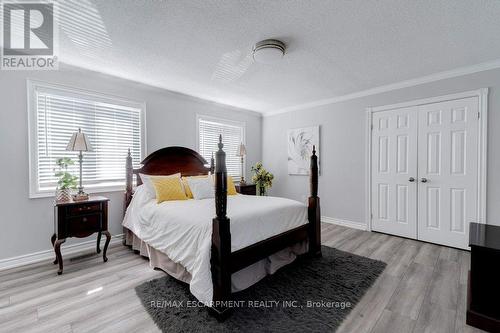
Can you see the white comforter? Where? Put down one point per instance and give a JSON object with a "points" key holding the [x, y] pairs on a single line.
{"points": [[183, 229]]}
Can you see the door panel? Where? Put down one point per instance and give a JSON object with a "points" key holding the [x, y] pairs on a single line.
{"points": [[447, 150], [394, 161]]}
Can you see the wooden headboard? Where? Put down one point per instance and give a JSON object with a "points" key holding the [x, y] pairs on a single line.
{"points": [[167, 161]]}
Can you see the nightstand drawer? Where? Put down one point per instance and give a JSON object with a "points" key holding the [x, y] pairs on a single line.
{"points": [[86, 224], [84, 209]]}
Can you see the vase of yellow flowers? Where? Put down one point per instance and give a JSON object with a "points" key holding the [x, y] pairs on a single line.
{"points": [[262, 178]]}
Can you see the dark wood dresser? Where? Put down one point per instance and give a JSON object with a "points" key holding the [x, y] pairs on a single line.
{"points": [[248, 189], [80, 219], [483, 295]]}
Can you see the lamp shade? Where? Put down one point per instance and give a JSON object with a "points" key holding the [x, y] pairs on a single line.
{"points": [[242, 150], [79, 142]]}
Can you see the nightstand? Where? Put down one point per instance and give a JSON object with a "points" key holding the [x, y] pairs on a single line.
{"points": [[80, 219], [248, 189]]}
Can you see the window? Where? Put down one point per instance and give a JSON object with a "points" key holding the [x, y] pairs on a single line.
{"points": [[112, 125], [233, 133]]}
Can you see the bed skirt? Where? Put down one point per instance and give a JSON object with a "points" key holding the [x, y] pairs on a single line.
{"points": [[239, 280]]}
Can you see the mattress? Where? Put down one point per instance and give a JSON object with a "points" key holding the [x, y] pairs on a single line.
{"points": [[182, 231]]}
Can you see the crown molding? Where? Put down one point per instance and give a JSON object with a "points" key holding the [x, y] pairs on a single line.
{"points": [[485, 66]]}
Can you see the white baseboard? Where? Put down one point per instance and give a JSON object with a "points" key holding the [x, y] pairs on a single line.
{"points": [[49, 254], [344, 223], [116, 239]]}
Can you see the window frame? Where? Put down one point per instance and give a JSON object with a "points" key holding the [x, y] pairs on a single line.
{"points": [[229, 122], [33, 86]]}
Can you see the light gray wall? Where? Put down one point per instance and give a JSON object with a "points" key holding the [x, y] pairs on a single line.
{"points": [[27, 224], [343, 141]]}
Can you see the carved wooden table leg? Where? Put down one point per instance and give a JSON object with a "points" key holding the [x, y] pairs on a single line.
{"points": [[53, 240], [108, 238], [99, 242], [57, 249]]}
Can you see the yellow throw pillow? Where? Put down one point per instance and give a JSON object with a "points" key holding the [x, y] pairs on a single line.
{"points": [[168, 188], [231, 189], [148, 184], [185, 183]]}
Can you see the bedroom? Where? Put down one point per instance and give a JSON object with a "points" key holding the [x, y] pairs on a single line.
{"points": [[277, 77]]}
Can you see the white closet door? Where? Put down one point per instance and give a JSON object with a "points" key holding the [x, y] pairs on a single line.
{"points": [[394, 172], [448, 171]]}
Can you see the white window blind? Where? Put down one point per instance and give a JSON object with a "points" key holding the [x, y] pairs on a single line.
{"points": [[233, 133], [112, 126]]}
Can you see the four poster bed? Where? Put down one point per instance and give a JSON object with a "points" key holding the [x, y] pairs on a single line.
{"points": [[215, 256]]}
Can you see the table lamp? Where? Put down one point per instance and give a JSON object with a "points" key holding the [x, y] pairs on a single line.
{"points": [[241, 152], [80, 143]]}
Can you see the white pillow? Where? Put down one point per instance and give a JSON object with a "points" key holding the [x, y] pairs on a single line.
{"points": [[149, 186], [202, 188]]}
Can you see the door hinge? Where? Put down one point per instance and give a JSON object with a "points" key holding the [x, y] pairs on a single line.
{"points": [[479, 115], [371, 216], [371, 127]]}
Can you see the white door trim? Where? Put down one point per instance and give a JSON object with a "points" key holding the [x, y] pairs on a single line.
{"points": [[482, 95]]}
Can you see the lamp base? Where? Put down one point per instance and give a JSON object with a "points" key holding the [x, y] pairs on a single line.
{"points": [[80, 197]]}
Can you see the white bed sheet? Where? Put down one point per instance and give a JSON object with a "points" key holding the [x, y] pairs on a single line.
{"points": [[183, 229]]}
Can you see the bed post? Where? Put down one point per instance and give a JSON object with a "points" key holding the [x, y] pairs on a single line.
{"points": [[221, 241], [212, 164], [128, 179], [128, 190], [314, 214]]}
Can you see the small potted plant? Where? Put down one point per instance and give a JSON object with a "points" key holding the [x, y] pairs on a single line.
{"points": [[66, 181], [262, 178]]}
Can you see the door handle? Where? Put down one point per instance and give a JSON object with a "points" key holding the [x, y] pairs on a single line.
{"points": [[423, 180], [411, 180]]}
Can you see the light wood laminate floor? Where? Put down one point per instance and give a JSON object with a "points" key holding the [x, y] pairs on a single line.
{"points": [[423, 289]]}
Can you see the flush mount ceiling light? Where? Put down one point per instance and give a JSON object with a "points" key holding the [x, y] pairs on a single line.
{"points": [[269, 51]]}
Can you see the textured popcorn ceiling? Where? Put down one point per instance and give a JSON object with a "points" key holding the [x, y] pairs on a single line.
{"points": [[335, 47]]}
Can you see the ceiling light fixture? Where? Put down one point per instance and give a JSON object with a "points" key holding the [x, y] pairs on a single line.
{"points": [[269, 51]]}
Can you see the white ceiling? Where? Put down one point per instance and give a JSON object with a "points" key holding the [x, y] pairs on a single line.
{"points": [[334, 47]]}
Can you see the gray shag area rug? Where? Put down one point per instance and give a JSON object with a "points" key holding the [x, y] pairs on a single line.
{"points": [[308, 295]]}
